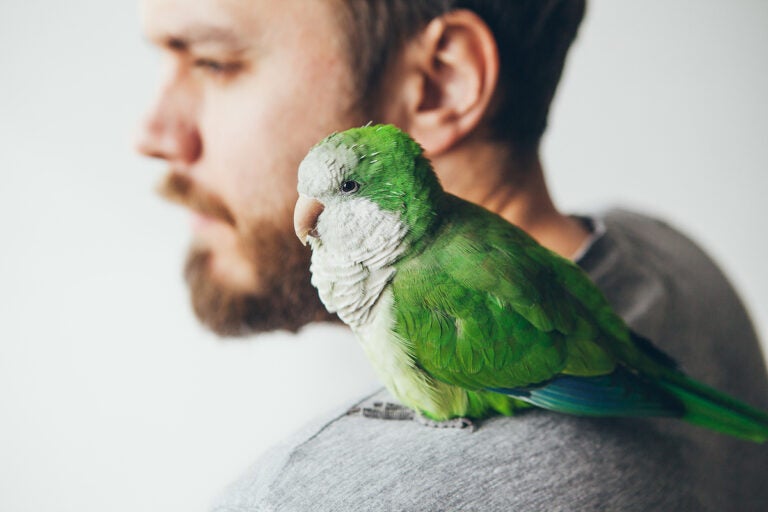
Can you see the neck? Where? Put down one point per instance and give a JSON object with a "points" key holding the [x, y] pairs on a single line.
{"points": [[489, 174]]}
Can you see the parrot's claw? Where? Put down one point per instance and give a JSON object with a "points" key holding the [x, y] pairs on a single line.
{"points": [[459, 423], [391, 411], [383, 411]]}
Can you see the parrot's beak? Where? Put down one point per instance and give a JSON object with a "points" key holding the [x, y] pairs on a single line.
{"points": [[305, 217]]}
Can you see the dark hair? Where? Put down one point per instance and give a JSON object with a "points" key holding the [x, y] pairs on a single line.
{"points": [[533, 37]]}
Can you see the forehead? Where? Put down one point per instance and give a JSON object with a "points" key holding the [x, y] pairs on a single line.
{"points": [[325, 167], [233, 22]]}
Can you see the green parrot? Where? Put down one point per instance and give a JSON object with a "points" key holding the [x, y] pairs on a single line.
{"points": [[463, 314]]}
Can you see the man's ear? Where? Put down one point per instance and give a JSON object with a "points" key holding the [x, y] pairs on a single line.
{"points": [[443, 80]]}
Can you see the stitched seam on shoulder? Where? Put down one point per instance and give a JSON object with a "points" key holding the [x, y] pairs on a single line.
{"points": [[331, 422]]}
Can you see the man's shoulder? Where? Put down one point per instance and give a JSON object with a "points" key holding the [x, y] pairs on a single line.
{"points": [[670, 290], [648, 235], [657, 278], [534, 461], [629, 240]]}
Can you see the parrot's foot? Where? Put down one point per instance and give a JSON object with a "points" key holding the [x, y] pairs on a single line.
{"points": [[452, 423], [392, 411], [383, 411]]}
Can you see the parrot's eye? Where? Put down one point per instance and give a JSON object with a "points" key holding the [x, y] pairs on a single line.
{"points": [[349, 187]]}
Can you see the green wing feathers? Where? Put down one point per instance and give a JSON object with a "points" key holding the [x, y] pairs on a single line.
{"points": [[498, 306], [490, 310]]}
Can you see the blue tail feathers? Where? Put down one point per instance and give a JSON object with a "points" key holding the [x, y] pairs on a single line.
{"points": [[621, 393]]}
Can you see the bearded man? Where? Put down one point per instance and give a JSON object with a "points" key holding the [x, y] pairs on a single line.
{"points": [[251, 85]]}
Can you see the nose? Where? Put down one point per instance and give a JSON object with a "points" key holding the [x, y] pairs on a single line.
{"points": [[169, 130]]}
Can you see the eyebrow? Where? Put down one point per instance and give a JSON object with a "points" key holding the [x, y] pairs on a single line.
{"points": [[204, 34]]}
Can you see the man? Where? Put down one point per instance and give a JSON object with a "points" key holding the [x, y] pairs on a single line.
{"points": [[252, 85]]}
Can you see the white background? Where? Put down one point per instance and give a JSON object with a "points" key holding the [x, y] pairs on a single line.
{"points": [[112, 398]]}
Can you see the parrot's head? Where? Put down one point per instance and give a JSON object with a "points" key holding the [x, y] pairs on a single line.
{"points": [[358, 185]]}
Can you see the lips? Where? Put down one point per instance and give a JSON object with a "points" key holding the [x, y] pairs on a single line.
{"points": [[305, 217]]}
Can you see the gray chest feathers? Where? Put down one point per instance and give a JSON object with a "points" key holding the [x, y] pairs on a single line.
{"points": [[353, 255]]}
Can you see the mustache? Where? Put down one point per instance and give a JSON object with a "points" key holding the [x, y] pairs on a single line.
{"points": [[180, 189]]}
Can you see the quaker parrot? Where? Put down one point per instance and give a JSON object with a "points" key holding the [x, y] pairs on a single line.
{"points": [[463, 314]]}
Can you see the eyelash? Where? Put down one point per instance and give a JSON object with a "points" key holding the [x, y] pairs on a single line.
{"points": [[216, 67]]}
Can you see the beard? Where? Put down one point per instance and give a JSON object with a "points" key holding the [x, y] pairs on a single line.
{"points": [[284, 298]]}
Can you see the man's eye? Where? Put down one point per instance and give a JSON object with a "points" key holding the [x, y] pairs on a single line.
{"points": [[216, 67]]}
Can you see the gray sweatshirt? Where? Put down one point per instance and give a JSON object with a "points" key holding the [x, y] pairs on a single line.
{"points": [[667, 290]]}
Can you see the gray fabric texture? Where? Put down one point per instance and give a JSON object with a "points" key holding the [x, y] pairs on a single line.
{"points": [[667, 290]]}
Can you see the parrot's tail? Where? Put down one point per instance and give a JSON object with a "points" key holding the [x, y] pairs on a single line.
{"points": [[709, 408]]}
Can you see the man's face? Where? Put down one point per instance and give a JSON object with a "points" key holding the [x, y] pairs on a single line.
{"points": [[249, 87]]}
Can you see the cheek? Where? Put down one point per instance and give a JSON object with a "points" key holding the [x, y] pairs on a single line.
{"points": [[258, 129], [245, 153]]}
